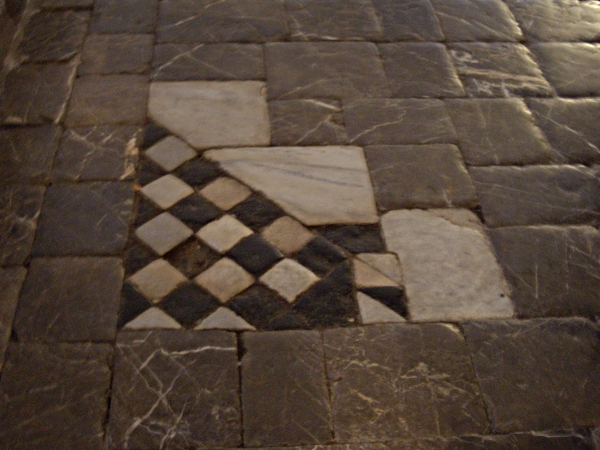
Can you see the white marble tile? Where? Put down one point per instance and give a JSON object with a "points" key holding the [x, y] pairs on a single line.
{"points": [[224, 233], [289, 279], [170, 153], [366, 276], [386, 263], [372, 311], [226, 193], [153, 318], [163, 233], [287, 234], [157, 279], [166, 191], [224, 319], [225, 279]]}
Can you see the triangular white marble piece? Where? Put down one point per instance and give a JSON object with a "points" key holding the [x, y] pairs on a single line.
{"points": [[224, 319], [372, 311], [153, 318], [366, 276]]}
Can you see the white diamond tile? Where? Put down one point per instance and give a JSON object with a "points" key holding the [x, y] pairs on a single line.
{"points": [[226, 193], [287, 234], [153, 318], [166, 191], [163, 233], [224, 319], [157, 279], [224, 233], [170, 153], [225, 279], [289, 279]]}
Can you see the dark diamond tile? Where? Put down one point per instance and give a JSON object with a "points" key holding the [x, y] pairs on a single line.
{"points": [[181, 62], [26, 154], [288, 320], [188, 304], [570, 126], [255, 254], [534, 195], [137, 257], [149, 171], [192, 257], [54, 36], [256, 212], [108, 99], [409, 77], [557, 356], [284, 391], [195, 212], [408, 20], [397, 121], [145, 211], [36, 93], [355, 238], [263, 309], [224, 21], [132, 305], [198, 172], [19, 211], [329, 302], [116, 53], [70, 300], [331, 70], [45, 390], [392, 297], [320, 256], [11, 280], [97, 153], [402, 381], [84, 219], [154, 374], [124, 16], [152, 134], [553, 271]]}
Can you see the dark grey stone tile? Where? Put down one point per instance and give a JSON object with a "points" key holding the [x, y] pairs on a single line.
{"points": [[26, 154], [539, 374], [224, 21], [571, 68], [116, 53], [355, 238], [571, 126], [54, 36], [8, 27], [181, 62], [397, 121], [553, 271], [331, 70], [346, 20], [408, 20], [61, 4], [19, 211], [108, 99], [410, 77], [255, 254], [124, 16], [498, 132], [477, 20], [535, 195], [175, 389], [36, 93], [54, 397], [70, 300], [307, 122], [11, 280], [548, 20], [256, 212], [189, 304], [498, 70], [402, 381], [419, 176], [97, 153], [320, 256], [284, 390], [84, 219]]}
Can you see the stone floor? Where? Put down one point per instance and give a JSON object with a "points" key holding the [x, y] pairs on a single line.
{"points": [[313, 224]]}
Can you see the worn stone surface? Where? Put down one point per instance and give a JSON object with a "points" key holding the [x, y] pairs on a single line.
{"points": [[355, 238], [533, 195], [307, 122], [450, 271], [410, 176], [45, 390], [124, 16], [84, 219], [60, 4], [212, 114], [175, 389], [19, 212], [397, 121], [11, 280], [498, 70], [97, 153], [108, 99], [183, 62], [224, 21], [284, 391], [116, 53], [570, 68], [410, 20], [401, 381], [498, 132], [409, 77], [476, 20], [70, 300], [332, 70], [508, 356], [316, 185], [570, 126], [553, 271], [26, 154], [36, 93]]}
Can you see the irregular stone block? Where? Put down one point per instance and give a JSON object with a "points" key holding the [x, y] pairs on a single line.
{"points": [[124, 16], [409, 20], [116, 53], [11, 280]]}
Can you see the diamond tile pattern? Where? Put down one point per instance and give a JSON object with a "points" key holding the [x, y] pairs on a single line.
{"points": [[225, 279], [157, 279], [170, 153], [224, 233], [226, 192], [289, 279], [163, 233], [166, 191]]}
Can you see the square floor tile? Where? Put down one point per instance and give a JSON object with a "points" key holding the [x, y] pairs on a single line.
{"points": [[170, 153], [166, 191], [224, 233], [225, 279], [157, 279], [163, 233], [226, 192], [289, 279]]}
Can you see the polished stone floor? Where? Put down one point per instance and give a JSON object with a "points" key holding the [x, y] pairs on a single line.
{"points": [[307, 224]]}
